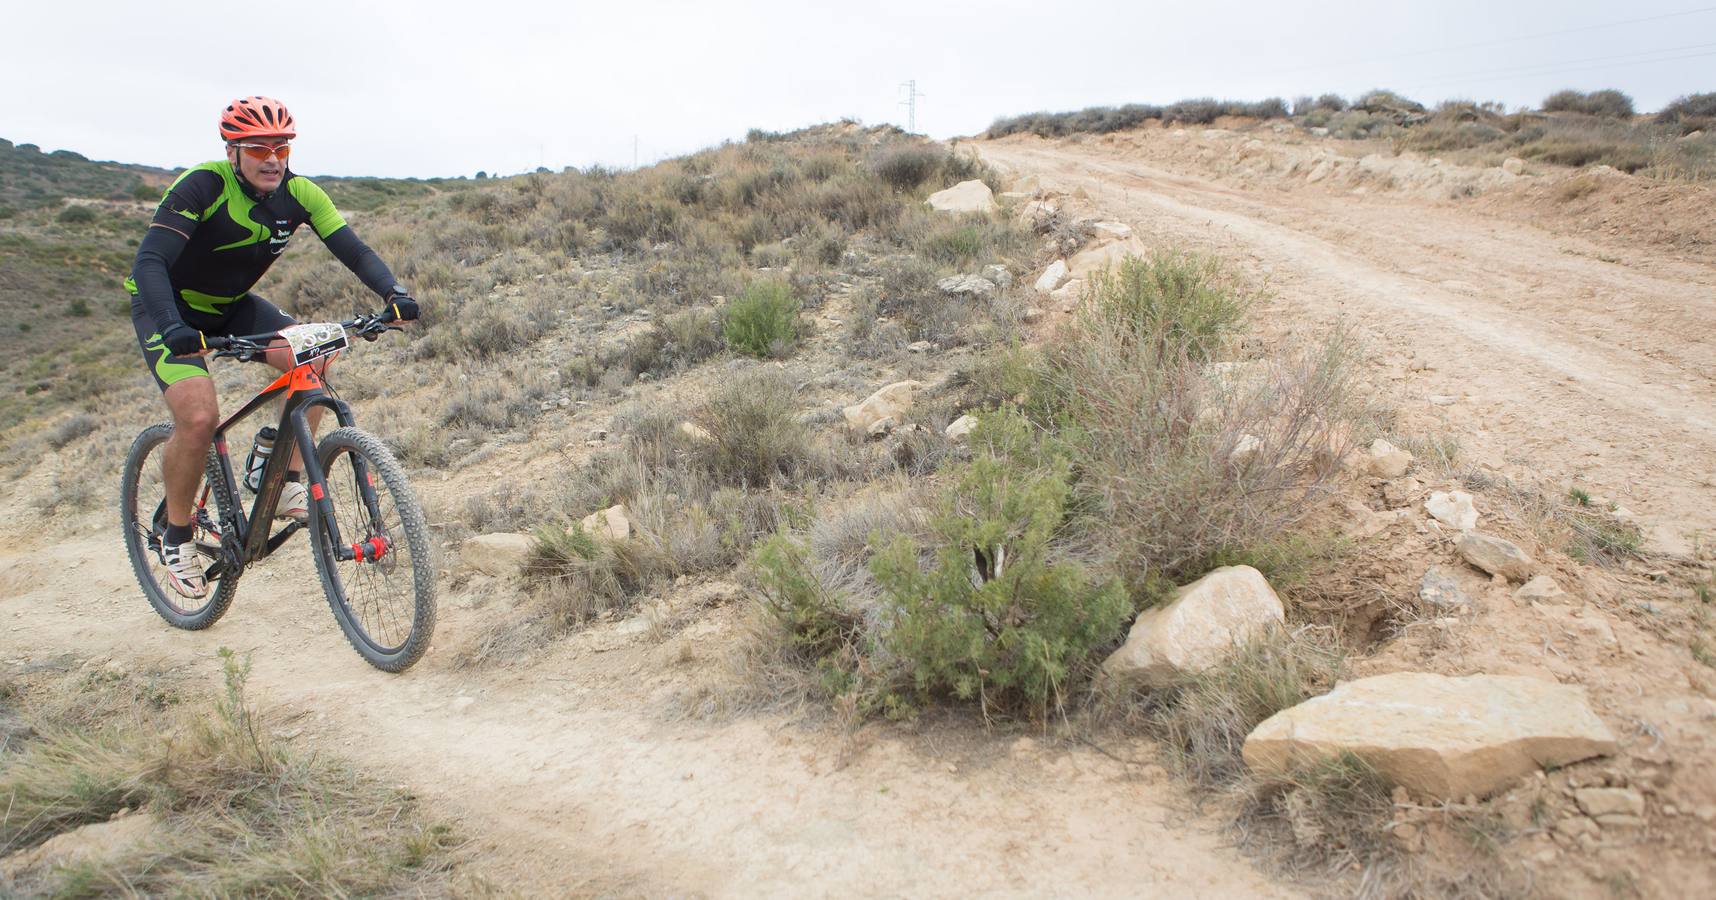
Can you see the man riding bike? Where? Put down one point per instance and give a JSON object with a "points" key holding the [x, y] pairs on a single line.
{"points": [[217, 230]]}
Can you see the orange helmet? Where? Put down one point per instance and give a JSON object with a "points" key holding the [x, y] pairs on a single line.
{"points": [[256, 117]]}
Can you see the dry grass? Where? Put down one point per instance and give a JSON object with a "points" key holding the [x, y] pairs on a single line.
{"points": [[241, 813]]}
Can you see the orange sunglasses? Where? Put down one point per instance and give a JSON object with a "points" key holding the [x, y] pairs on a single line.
{"points": [[260, 152]]}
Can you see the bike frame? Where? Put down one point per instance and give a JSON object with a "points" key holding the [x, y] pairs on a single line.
{"points": [[246, 539]]}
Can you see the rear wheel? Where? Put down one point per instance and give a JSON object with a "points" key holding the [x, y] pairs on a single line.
{"points": [[143, 522], [385, 604]]}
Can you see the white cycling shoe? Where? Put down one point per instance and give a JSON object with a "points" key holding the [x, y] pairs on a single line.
{"points": [[185, 570], [294, 503]]}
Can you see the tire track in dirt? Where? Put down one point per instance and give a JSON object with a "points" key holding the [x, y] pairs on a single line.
{"points": [[1570, 365]]}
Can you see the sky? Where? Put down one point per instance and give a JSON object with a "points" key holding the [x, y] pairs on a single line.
{"points": [[433, 88]]}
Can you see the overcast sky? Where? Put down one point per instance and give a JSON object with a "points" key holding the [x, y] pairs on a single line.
{"points": [[439, 88]]}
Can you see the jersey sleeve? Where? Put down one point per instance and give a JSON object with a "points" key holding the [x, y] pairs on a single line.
{"points": [[324, 218], [188, 201]]}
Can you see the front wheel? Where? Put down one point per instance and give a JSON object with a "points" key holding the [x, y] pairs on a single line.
{"points": [[384, 599], [143, 522]]}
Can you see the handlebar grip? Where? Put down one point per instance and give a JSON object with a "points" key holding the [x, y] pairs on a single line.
{"points": [[216, 342]]}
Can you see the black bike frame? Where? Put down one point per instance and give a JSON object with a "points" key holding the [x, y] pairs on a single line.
{"points": [[245, 540]]}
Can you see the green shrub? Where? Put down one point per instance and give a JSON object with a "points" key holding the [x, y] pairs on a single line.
{"points": [[1175, 303], [690, 336], [995, 617], [816, 627], [905, 168], [77, 215], [1691, 106], [763, 321], [755, 438], [1610, 103]]}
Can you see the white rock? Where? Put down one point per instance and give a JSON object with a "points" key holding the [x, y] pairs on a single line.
{"points": [[964, 197], [1384, 460], [1495, 555], [1053, 277], [1201, 626], [998, 273], [1513, 165], [697, 433], [1440, 591], [1609, 801], [499, 554], [1111, 231], [611, 523], [1540, 588], [974, 285], [892, 401], [1453, 509], [919, 347], [1039, 214], [959, 429], [1436, 736], [1104, 256], [1245, 450]]}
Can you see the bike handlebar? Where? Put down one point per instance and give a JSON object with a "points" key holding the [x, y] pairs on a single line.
{"points": [[252, 346]]}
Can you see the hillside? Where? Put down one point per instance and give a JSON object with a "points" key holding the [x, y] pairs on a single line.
{"points": [[893, 484]]}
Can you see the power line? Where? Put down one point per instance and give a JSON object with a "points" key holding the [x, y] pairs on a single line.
{"points": [[1489, 43], [1559, 64], [1561, 71]]}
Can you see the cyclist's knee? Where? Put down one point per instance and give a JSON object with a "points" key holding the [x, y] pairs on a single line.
{"points": [[197, 422]]}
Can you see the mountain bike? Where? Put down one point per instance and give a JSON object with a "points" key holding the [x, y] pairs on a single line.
{"points": [[367, 533]]}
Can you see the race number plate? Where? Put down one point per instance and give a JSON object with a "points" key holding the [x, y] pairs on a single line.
{"points": [[315, 340]]}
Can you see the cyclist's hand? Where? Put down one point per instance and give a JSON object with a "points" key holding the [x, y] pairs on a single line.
{"points": [[400, 308], [183, 340]]}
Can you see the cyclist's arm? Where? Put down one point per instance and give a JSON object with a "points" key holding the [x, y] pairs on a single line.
{"points": [[341, 240], [176, 219]]}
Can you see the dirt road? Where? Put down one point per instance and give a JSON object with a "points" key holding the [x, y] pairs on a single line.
{"points": [[579, 775], [1571, 357]]}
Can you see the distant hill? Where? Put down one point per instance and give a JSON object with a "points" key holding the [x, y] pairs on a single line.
{"points": [[30, 178]]}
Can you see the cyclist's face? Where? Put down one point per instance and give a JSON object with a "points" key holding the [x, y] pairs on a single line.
{"points": [[263, 174]]}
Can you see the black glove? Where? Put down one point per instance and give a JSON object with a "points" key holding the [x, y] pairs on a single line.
{"points": [[183, 340], [400, 308]]}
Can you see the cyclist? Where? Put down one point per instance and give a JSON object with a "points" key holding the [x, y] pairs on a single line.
{"points": [[217, 230]]}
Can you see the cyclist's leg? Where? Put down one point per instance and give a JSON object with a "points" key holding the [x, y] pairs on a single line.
{"points": [[189, 391]]}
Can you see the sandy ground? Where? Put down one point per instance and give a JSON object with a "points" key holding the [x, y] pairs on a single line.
{"points": [[1575, 358]]}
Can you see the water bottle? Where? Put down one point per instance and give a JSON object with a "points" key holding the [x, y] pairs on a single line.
{"points": [[258, 459]]}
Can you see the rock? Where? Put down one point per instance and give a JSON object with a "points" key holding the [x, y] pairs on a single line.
{"points": [[1067, 294], [1494, 555], [1031, 315], [1029, 184], [960, 429], [1540, 588], [1245, 450], [892, 401], [1039, 214], [1401, 491], [697, 433], [1452, 508], [1513, 165], [1621, 821], [611, 523], [1437, 736], [499, 554], [973, 285], [1198, 628], [1111, 231], [89, 843], [1440, 591], [1103, 256], [882, 426], [964, 197], [1577, 827], [998, 273], [919, 347], [1585, 627], [1053, 277], [1598, 802], [1384, 460]]}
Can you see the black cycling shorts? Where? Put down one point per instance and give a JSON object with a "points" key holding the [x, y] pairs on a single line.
{"points": [[248, 314]]}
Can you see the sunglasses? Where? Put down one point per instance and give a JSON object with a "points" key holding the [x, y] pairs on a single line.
{"points": [[260, 152]]}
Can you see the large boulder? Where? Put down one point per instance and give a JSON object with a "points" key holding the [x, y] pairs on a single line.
{"points": [[891, 402], [1495, 555], [1434, 735], [1198, 628], [964, 197], [499, 554]]}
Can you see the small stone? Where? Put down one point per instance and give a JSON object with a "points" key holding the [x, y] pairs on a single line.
{"points": [[1401, 491], [612, 523], [891, 402], [1053, 277], [1453, 508], [1440, 591], [499, 554], [1385, 460], [919, 347], [1621, 821], [1111, 231], [695, 432], [961, 428], [1201, 626], [1577, 827], [1513, 165], [966, 284], [1031, 315], [1610, 801], [1539, 589], [1443, 400], [998, 274], [1495, 555], [965, 197]]}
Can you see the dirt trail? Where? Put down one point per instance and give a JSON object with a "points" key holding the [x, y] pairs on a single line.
{"points": [[1558, 354], [575, 776]]}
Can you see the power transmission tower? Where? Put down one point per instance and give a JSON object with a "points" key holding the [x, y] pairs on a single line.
{"points": [[911, 105]]}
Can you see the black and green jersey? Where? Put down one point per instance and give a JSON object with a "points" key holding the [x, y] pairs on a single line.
{"points": [[233, 235], [214, 236]]}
